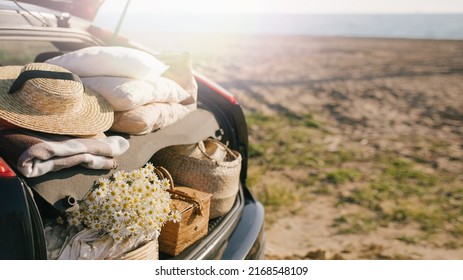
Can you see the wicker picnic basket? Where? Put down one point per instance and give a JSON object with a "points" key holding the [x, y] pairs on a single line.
{"points": [[193, 206], [209, 166]]}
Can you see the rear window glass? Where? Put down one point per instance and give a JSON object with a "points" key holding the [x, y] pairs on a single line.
{"points": [[23, 52]]}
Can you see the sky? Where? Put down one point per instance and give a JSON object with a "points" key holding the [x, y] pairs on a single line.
{"points": [[158, 13], [284, 6]]}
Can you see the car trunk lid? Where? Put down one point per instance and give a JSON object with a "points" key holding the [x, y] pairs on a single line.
{"points": [[85, 9]]}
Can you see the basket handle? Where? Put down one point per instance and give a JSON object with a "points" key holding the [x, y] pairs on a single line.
{"points": [[229, 151], [163, 173]]}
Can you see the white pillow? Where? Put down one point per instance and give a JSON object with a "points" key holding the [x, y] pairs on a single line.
{"points": [[111, 61], [125, 94], [148, 118]]}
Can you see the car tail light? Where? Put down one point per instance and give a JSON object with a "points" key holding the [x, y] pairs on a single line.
{"points": [[5, 169], [215, 87]]}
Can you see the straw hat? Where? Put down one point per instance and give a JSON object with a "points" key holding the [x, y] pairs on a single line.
{"points": [[48, 98]]}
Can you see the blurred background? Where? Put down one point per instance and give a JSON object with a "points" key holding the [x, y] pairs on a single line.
{"points": [[354, 109]]}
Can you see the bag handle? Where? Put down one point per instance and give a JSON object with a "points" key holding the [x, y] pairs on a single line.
{"points": [[162, 173], [227, 149]]}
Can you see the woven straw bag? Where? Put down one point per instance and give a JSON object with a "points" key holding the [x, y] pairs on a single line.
{"points": [[147, 251], [209, 166]]}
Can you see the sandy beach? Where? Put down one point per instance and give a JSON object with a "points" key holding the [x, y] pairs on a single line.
{"points": [[368, 133]]}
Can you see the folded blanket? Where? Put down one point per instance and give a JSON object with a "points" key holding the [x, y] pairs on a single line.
{"points": [[36, 153]]}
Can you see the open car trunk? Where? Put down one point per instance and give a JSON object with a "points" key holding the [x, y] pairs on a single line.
{"points": [[52, 191], [235, 235]]}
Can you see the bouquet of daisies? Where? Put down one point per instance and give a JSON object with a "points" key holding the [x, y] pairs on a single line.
{"points": [[122, 212]]}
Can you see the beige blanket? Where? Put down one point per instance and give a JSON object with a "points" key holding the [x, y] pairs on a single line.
{"points": [[35, 154]]}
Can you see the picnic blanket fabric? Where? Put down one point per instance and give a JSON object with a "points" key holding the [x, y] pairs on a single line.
{"points": [[35, 154]]}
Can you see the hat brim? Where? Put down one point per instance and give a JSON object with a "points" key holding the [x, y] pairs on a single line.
{"points": [[96, 115]]}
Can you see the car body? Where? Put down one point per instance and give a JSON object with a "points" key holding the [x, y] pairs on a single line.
{"points": [[31, 29]]}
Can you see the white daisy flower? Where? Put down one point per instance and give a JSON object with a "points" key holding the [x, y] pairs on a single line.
{"points": [[176, 216]]}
